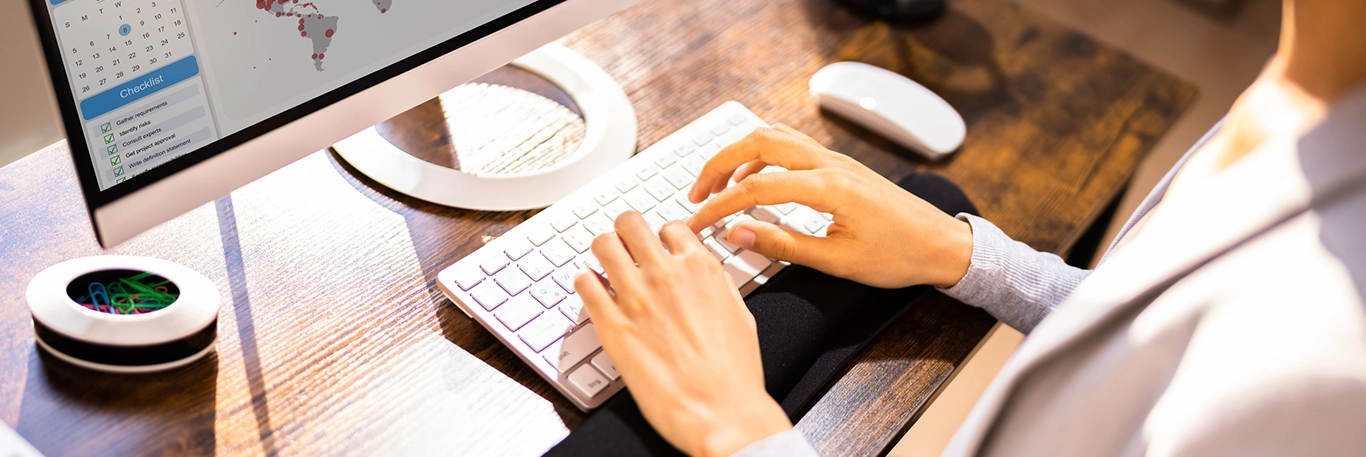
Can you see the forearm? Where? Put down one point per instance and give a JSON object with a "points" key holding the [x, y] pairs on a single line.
{"points": [[1012, 281]]}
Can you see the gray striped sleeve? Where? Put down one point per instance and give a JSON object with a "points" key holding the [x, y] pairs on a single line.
{"points": [[1012, 281]]}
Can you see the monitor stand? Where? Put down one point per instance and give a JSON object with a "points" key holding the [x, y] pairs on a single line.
{"points": [[609, 139]]}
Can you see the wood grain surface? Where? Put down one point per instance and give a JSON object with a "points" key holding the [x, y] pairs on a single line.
{"points": [[334, 340]]}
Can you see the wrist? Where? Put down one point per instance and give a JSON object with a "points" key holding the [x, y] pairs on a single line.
{"points": [[956, 253], [740, 425]]}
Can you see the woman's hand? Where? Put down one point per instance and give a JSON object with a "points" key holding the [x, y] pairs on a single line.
{"points": [[680, 334], [882, 235]]}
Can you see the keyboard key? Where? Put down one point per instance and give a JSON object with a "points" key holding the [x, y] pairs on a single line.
{"points": [[626, 183], [664, 160], [565, 278], [539, 235], [512, 280], [518, 312], [536, 267], [564, 222], [489, 295], [654, 221], [721, 238], [814, 225], [605, 196], [573, 309], [687, 204], [684, 149], [785, 208], [558, 254], [745, 266], [701, 138], [737, 119], [578, 238], [468, 278], [678, 178], [543, 330], [615, 209], [573, 348], [828, 216], [646, 171], [518, 248], [765, 214], [604, 364], [494, 264], [640, 201], [670, 211], [720, 128], [694, 165], [548, 293], [659, 189], [716, 249], [589, 262], [588, 380], [585, 209], [598, 224]]}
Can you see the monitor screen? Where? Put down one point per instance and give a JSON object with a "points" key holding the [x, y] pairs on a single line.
{"points": [[160, 85]]}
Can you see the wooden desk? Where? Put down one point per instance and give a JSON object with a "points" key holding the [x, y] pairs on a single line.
{"points": [[333, 338]]}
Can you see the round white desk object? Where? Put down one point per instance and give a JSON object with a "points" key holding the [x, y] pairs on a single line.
{"points": [[610, 140], [124, 314]]}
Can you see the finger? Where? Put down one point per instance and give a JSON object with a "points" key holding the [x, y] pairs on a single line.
{"points": [[678, 238], [611, 253], [797, 133], [807, 187], [766, 144], [639, 238], [754, 166], [782, 244], [601, 307]]}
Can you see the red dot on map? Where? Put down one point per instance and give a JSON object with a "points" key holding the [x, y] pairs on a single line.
{"points": [[320, 56], [303, 34], [315, 56], [234, 33], [383, 10], [278, 14], [329, 33]]}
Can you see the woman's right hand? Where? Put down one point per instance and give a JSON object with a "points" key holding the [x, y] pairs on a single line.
{"points": [[882, 235]]}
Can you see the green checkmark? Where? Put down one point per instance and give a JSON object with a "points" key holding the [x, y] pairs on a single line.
{"points": [[118, 171], [104, 128], [109, 138], [114, 160], [112, 148]]}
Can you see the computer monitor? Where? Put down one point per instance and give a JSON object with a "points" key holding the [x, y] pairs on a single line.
{"points": [[170, 104]]}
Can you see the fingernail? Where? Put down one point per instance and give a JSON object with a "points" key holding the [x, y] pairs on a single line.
{"points": [[742, 237]]}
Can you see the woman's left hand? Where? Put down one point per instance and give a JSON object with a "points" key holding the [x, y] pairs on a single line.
{"points": [[680, 334]]}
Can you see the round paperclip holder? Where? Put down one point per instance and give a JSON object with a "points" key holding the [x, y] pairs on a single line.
{"points": [[124, 314]]}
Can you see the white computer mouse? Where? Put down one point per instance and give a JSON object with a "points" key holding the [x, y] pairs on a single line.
{"points": [[891, 105]]}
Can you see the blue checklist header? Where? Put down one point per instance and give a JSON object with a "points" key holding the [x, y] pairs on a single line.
{"points": [[131, 91]]}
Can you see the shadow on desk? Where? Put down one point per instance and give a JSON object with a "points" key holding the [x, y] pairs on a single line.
{"points": [[149, 414]]}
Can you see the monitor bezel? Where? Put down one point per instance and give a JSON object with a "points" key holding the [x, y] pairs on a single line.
{"points": [[79, 150]]}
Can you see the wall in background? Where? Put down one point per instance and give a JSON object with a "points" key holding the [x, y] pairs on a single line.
{"points": [[29, 120]]}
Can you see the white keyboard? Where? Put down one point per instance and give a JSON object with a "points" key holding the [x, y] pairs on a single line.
{"points": [[520, 286]]}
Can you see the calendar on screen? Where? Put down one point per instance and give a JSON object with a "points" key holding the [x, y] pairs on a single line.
{"points": [[120, 40], [137, 82]]}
